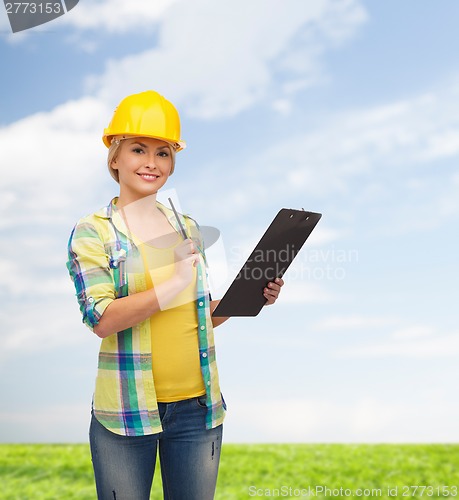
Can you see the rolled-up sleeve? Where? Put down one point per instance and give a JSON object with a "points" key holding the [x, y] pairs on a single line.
{"points": [[89, 268]]}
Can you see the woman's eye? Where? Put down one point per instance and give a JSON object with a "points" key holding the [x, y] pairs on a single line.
{"points": [[137, 150], [163, 154]]}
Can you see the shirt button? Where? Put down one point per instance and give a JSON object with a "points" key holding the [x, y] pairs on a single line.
{"points": [[202, 327], [200, 277], [204, 354], [208, 382], [91, 300], [201, 303]]}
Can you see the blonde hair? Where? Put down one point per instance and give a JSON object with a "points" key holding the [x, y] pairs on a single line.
{"points": [[113, 152]]}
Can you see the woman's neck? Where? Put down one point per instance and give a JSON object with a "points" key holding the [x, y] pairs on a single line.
{"points": [[139, 209], [146, 221]]}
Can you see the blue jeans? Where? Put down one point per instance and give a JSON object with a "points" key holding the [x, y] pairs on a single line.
{"points": [[189, 456]]}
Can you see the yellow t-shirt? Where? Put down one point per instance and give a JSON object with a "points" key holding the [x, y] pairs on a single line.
{"points": [[174, 331]]}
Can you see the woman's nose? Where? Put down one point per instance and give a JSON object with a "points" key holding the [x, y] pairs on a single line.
{"points": [[151, 162]]}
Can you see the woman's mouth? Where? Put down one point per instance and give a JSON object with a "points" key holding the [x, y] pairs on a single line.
{"points": [[148, 177]]}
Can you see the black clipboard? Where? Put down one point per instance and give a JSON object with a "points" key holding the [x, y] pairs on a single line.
{"points": [[270, 259]]}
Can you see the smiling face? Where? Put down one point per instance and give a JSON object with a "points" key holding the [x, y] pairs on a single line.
{"points": [[143, 165]]}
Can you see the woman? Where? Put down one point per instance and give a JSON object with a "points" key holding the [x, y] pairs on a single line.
{"points": [[143, 289]]}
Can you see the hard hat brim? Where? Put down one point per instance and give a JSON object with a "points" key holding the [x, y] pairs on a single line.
{"points": [[177, 145]]}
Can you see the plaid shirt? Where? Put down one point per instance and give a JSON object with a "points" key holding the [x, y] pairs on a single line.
{"points": [[124, 398]]}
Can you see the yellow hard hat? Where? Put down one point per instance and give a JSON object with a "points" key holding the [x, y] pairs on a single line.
{"points": [[147, 114]]}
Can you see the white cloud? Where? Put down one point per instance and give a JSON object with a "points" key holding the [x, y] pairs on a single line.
{"points": [[354, 322], [325, 421], [324, 235], [399, 339], [20, 277], [56, 145], [50, 160], [118, 16], [303, 292], [413, 332], [46, 324], [282, 106], [416, 342], [216, 59], [357, 143], [49, 424]]}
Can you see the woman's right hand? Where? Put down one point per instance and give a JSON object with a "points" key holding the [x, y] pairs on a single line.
{"points": [[186, 257]]}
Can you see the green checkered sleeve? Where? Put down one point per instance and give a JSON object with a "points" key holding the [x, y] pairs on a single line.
{"points": [[89, 268]]}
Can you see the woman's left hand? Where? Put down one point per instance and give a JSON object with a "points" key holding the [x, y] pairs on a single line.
{"points": [[272, 290]]}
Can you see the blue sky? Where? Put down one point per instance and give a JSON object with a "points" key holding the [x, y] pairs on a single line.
{"points": [[349, 108]]}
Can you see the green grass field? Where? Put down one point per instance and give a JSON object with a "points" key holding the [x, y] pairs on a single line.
{"points": [[38, 472]]}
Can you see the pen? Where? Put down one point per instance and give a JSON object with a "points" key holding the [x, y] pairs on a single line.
{"points": [[182, 229]]}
